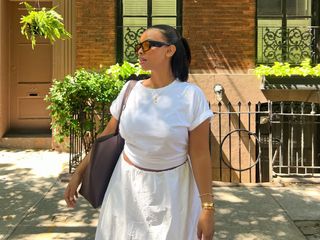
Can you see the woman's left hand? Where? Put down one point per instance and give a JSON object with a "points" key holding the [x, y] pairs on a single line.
{"points": [[206, 225]]}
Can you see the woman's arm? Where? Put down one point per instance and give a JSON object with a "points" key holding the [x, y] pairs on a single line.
{"points": [[201, 165], [110, 128], [71, 193]]}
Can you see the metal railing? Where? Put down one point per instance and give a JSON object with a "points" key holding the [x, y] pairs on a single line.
{"points": [[290, 44], [236, 138], [128, 37], [291, 138], [131, 37], [249, 143], [271, 139], [91, 122]]}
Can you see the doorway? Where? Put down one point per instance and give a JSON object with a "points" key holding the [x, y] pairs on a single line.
{"points": [[30, 77]]}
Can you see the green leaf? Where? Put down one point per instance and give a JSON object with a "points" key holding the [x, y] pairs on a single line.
{"points": [[285, 69], [45, 23], [83, 89]]}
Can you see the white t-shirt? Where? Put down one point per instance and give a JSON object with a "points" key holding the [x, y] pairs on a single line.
{"points": [[156, 132]]}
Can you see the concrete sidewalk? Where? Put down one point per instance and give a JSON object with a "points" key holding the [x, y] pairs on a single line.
{"points": [[32, 205]]}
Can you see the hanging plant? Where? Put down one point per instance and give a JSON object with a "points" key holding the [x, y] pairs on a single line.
{"points": [[42, 22]]}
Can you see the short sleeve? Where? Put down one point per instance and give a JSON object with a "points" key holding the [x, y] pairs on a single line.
{"points": [[199, 107], [116, 104]]}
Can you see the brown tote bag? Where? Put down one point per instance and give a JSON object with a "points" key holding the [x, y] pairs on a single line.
{"points": [[104, 156]]}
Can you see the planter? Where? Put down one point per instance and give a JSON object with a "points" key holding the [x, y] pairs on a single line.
{"points": [[294, 82]]}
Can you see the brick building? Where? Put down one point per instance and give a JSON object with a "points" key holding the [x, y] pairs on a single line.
{"points": [[227, 40]]}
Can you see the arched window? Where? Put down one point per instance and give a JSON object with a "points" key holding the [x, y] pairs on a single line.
{"points": [[134, 16]]}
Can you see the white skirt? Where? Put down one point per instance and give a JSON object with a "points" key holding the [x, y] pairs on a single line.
{"points": [[149, 205]]}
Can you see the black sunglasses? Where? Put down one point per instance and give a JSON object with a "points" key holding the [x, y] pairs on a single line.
{"points": [[147, 44]]}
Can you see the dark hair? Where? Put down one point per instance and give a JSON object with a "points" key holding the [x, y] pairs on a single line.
{"points": [[181, 59]]}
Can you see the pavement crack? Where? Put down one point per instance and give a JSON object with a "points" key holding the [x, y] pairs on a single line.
{"points": [[284, 210]]}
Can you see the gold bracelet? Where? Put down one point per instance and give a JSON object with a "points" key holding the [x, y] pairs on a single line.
{"points": [[206, 194], [208, 205]]}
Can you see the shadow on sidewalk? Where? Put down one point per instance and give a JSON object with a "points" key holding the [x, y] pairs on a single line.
{"points": [[31, 198], [253, 213]]}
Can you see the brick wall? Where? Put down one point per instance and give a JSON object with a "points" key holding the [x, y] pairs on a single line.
{"points": [[95, 33], [221, 34]]}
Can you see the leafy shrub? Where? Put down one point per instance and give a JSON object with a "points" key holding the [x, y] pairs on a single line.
{"points": [[284, 69], [73, 100]]}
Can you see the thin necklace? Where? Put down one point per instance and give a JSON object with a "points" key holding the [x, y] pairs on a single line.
{"points": [[157, 93], [155, 96]]}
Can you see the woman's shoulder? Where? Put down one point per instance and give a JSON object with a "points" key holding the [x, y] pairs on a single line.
{"points": [[188, 88]]}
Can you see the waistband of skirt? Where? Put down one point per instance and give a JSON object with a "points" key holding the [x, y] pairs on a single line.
{"points": [[126, 158]]}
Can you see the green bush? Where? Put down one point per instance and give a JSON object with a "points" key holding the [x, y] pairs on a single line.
{"points": [[83, 91], [284, 69]]}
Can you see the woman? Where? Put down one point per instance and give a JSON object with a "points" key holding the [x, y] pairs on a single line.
{"points": [[154, 193]]}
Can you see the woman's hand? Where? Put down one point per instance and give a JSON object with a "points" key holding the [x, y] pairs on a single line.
{"points": [[206, 225], [71, 193]]}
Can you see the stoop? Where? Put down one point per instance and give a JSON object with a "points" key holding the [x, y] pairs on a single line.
{"points": [[26, 140]]}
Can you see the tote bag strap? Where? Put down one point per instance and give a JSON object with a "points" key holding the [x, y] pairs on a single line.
{"points": [[132, 83]]}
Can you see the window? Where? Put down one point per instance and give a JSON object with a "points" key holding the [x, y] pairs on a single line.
{"points": [[134, 16], [287, 30]]}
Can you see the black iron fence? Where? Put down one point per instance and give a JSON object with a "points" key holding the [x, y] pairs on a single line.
{"points": [[290, 44], [237, 158], [90, 121], [250, 143]]}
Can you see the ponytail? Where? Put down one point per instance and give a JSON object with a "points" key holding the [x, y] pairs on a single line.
{"points": [[181, 59], [187, 49]]}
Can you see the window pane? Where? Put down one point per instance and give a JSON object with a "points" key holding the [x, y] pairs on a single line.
{"points": [[164, 8], [134, 21], [269, 7], [135, 7], [299, 22], [168, 21], [299, 7]]}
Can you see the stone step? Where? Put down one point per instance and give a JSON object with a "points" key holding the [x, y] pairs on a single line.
{"points": [[26, 141]]}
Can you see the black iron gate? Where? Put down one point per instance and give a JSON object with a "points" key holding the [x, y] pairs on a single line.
{"points": [[273, 139], [291, 139]]}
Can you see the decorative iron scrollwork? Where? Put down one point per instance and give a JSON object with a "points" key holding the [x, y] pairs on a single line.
{"points": [[300, 42], [292, 44], [131, 38], [272, 44]]}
